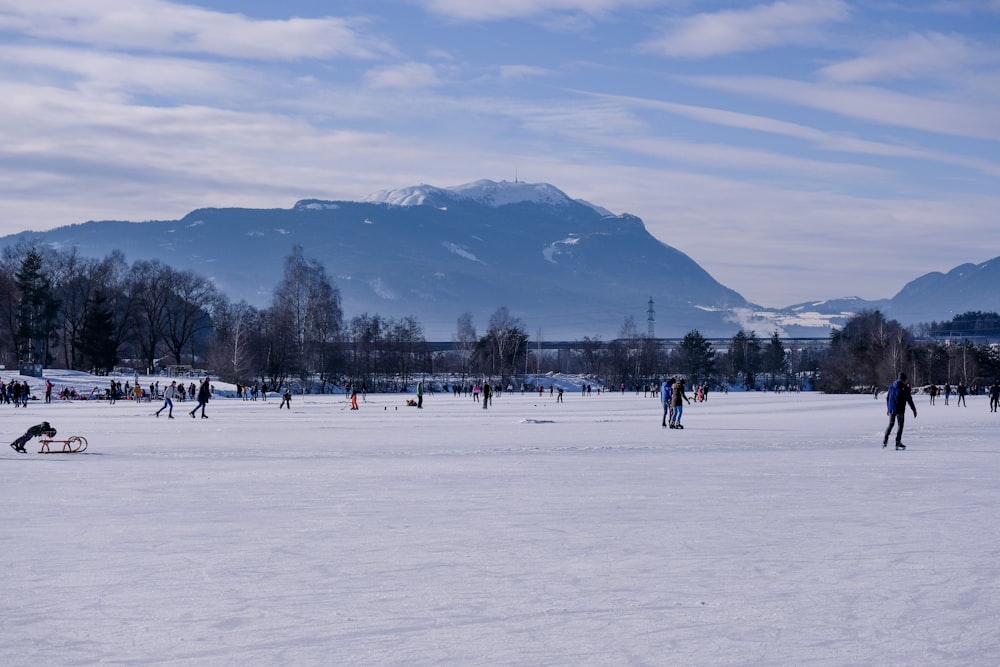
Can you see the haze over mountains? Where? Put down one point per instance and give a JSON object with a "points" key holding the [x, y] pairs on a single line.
{"points": [[567, 268]]}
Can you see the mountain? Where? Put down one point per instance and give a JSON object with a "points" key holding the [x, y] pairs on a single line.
{"points": [[567, 268], [940, 296], [933, 297]]}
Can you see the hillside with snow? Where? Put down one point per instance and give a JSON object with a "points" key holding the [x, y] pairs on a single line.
{"points": [[566, 267]]}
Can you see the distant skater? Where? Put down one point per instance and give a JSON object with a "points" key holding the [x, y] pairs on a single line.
{"points": [[962, 391], [676, 402], [487, 395], [666, 393], [896, 400], [168, 400], [354, 398], [995, 397], [286, 399], [204, 394]]}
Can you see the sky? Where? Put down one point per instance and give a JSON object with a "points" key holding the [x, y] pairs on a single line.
{"points": [[796, 150]]}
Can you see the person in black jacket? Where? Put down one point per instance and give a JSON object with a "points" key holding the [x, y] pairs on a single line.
{"points": [[39, 429], [896, 400], [204, 393]]}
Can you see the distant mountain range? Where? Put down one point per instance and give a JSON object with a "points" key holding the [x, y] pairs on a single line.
{"points": [[566, 267]]}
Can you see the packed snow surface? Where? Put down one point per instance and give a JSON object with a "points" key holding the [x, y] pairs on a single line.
{"points": [[773, 530]]}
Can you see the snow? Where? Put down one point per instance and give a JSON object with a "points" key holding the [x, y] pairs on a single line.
{"points": [[410, 196], [773, 530], [502, 193], [461, 251], [484, 191], [752, 319]]}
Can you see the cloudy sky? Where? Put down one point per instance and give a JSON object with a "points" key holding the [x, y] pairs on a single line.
{"points": [[796, 150]]}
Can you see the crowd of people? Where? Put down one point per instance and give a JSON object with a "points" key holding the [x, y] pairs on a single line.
{"points": [[672, 394]]}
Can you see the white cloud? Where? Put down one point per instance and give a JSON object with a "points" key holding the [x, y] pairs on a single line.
{"points": [[916, 56], [890, 108], [831, 141], [160, 26], [103, 74], [405, 75], [471, 10], [761, 27], [515, 72]]}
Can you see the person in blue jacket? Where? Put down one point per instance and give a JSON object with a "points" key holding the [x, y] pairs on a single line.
{"points": [[666, 393], [896, 400]]}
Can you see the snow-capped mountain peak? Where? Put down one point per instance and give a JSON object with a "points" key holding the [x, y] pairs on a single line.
{"points": [[492, 193], [485, 191], [415, 195]]}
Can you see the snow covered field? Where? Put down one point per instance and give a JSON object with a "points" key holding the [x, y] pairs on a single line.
{"points": [[773, 530]]}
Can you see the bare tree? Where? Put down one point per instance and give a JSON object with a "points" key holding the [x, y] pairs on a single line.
{"points": [[150, 286], [311, 302], [504, 342], [236, 326], [465, 341], [188, 313]]}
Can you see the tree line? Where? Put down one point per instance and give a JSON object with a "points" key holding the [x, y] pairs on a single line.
{"points": [[58, 308]]}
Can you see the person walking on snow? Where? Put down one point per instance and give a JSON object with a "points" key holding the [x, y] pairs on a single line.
{"points": [[168, 400], [677, 404], [896, 400], [204, 394]]}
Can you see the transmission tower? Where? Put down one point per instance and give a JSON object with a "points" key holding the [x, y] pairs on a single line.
{"points": [[649, 319]]}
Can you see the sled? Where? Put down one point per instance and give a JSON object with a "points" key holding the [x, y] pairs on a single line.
{"points": [[71, 445]]}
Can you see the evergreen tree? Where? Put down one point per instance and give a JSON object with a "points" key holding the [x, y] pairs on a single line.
{"points": [[98, 339], [775, 358], [37, 309], [695, 357], [745, 357]]}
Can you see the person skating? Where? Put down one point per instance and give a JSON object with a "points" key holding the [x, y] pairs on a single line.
{"points": [[39, 429], [896, 400], [995, 397], [676, 403], [420, 394], [286, 399], [204, 394], [168, 400], [666, 393]]}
